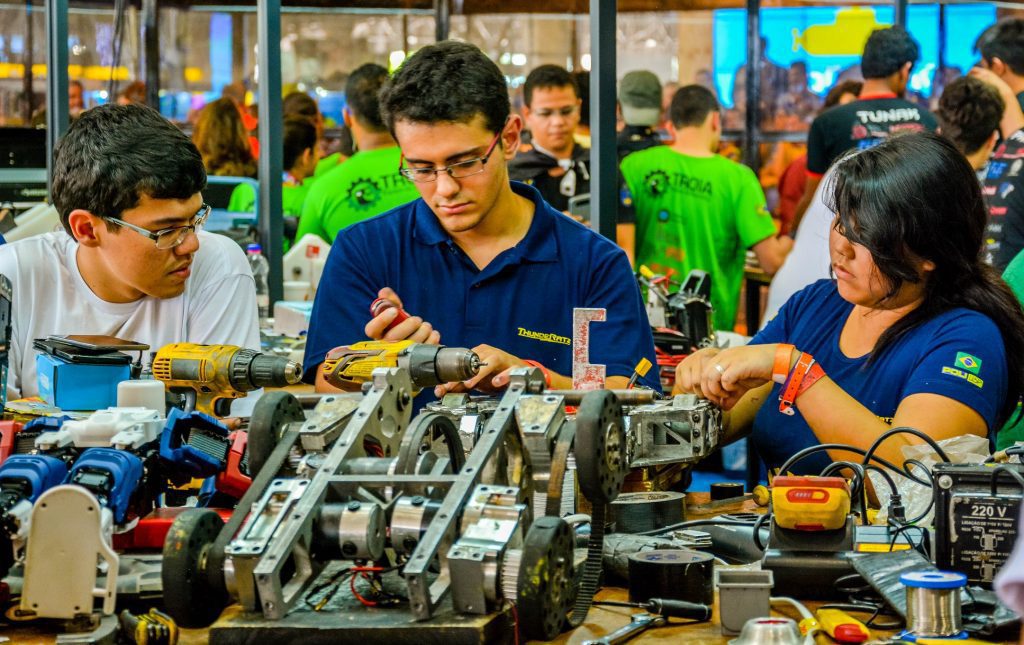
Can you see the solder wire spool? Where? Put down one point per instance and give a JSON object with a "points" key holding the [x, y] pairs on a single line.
{"points": [[638, 512], [678, 574], [933, 603]]}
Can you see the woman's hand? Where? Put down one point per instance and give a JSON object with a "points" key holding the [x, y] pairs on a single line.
{"points": [[734, 371], [689, 373]]}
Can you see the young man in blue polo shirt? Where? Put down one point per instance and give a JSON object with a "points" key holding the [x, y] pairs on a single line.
{"points": [[478, 261]]}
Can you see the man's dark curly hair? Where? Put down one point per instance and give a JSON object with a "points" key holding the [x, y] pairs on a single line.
{"points": [[886, 51], [114, 154], [449, 82], [547, 76], [969, 112]]}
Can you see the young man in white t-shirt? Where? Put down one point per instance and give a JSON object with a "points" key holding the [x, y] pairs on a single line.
{"points": [[130, 261]]}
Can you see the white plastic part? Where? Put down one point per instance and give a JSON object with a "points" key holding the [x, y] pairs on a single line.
{"points": [[100, 428], [69, 531], [35, 221], [144, 393], [302, 260]]}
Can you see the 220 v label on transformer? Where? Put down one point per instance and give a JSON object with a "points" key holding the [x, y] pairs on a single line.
{"points": [[983, 530]]}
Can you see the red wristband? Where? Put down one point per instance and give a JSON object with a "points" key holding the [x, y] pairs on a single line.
{"points": [[810, 378], [543, 370], [783, 355], [792, 385]]}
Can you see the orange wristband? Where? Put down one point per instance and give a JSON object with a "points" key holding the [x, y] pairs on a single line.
{"points": [[792, 386], [783, 354], [543, 370]]}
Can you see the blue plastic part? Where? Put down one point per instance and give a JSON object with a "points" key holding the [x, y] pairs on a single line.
{"points": [[912, 638], [125, 470], [40, 471], [46, 424], [184, 461], [934, 579]]}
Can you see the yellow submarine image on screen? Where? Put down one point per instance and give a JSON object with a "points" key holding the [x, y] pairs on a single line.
{"points": [[845, 37]]}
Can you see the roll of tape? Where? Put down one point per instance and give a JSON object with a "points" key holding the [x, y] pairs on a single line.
{"points": [[678, 574], [725, 490], [637, 512]]}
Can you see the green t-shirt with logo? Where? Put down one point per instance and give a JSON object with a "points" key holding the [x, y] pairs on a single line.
{"points": [[697, 213], [366, 184], [243, 199], [326, 165]]}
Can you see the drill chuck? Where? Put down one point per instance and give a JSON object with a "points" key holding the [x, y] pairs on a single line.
{"points": [[267, 370], [431, 365]]}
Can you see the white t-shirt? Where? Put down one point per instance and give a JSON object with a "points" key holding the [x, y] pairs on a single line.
{"points": [[809, 261], [50, 297]]}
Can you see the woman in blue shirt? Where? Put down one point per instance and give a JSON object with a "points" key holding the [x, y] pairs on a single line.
{"points": [[914, 329]]}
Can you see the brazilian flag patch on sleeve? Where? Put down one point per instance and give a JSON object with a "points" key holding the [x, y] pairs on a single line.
{"points": [[967, 362]]}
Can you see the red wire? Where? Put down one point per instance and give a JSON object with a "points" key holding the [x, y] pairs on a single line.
{"points": [[352, 586], [515, 621]]}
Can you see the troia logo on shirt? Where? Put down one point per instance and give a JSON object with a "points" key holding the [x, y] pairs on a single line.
{"points": [[659, 182], [966, 367], [363, 194], [544, 337]]}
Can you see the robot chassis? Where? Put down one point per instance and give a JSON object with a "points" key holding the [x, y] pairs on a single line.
{"points": [[481, 525]]}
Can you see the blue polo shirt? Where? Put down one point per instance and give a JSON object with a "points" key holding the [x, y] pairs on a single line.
{"points": [[958, 354], [521, 302]]}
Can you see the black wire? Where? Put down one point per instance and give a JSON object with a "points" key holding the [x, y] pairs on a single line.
{"points": [[905, 430], [786, 467], [1008, 470], [931, 479], [886, 476], [757, 531], [858, 491], [688, 524]]}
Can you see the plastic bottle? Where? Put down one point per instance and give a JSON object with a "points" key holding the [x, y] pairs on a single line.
{"points": [[260, 270]]}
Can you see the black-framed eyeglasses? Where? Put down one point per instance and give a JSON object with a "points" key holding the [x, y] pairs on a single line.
{"points": [[167, 238], [459, 170]]}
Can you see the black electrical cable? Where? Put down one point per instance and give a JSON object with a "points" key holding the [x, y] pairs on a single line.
{"points": [[786, 467], [757, 531], [905, 430], [931, 479], [1011, 472], [692, 523], [886, 476], [858, 491]]}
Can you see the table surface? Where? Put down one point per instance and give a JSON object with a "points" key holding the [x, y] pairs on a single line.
{"points": [[600, 621]]}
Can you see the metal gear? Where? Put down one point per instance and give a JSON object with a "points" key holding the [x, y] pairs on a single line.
{"points": [[273, 411], [545, 581]]}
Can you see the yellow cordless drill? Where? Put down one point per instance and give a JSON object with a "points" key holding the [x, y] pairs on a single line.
{"points": [[350, 366], [210, 376]]}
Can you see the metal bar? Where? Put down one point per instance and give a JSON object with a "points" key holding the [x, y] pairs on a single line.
{"points": [[900, 14], [29, 103], [58, 116], [940, 66], [603, 156], [151, 52], [752, 140], [442, 20], [271, 223]]}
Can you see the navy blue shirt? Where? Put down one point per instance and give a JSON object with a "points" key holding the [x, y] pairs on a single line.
{"points": [[958, 354], [521, 302]]}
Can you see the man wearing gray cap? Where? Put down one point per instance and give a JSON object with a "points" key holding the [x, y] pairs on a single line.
{"points": [[640, 104]]}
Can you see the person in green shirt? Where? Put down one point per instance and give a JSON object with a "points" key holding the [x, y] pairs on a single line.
{"points": [[367, 183], [698, 210], [302, 105], [301, 155]]}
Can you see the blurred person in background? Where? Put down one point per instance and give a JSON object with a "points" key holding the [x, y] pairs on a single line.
{"points": [[969, 113], [302, 105], [582, 135], [640, 109], [552, 162], [134, 92], [1002, 52], [222, 140], [236, 92]]}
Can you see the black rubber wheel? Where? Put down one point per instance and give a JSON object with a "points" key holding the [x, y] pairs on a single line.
{"points": [[273, 411], [545, 587], [189, 595], [6, 553], [600, 447]]}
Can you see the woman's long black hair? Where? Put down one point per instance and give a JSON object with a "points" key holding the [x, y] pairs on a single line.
{"points": [[914, 197]]}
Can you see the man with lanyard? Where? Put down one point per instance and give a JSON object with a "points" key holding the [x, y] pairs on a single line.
{"points": [[889, 56], [367, 183], [486, 261], [552, 162]]}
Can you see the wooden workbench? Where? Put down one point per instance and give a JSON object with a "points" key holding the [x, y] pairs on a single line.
{"points": [[600, 621]]}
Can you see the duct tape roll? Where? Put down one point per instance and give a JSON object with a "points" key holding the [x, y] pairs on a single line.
{"points": [[637, 512], [678, 574], [726, 490]]}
